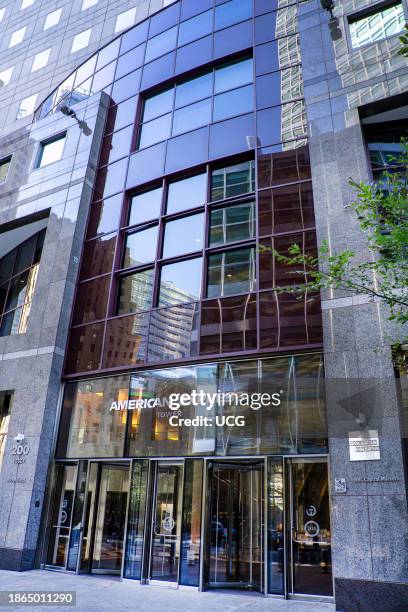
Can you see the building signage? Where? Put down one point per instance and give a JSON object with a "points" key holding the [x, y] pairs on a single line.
{"points": [[364, 445], [340, 485], [312, 529]]}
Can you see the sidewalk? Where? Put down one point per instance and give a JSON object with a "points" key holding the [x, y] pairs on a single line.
{"points": [[106, 594]]}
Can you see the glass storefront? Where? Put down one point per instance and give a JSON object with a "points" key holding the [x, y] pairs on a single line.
{"points": [[247, 407], [208, 476]]}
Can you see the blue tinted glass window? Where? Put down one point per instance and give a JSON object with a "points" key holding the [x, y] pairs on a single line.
{"points": [[140, 247], [232, 12], [233, 75], [180, 282], [187, 193], [158, 105], [191, 117], [161, 44], [145, 206], [155, 131], [195, 89], [233, 103], [195, 28], [183, 235]]}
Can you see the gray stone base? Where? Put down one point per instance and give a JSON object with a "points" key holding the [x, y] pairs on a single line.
{"points": [[16, 560], [370, 596]]}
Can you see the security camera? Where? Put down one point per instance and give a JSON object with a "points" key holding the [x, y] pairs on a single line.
{"points": [[19, 438]]}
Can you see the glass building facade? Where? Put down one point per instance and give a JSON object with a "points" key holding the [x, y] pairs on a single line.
{"points": [[192, 438]]}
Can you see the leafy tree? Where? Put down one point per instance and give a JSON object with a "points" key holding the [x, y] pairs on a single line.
{"points": [[382, 211], [404, 41]]}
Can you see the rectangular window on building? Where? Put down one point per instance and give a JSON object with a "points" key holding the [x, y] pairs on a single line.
{"points": [[18, 277], [183, 235], [231, 272], [187, 193], [232, 181], [5, 410], [4, 168], [140, 247], [376, 24], [180, 282], [232, 224], [145, 206], [221, 93], [50, 151], [135, 292]]}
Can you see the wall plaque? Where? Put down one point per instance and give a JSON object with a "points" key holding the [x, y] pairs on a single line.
{"points": [[364, 445]]}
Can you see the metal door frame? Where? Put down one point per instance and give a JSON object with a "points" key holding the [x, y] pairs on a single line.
{"points": [[205, 514], [100, 463], [289, 580], [50, 507], [146, 572]]}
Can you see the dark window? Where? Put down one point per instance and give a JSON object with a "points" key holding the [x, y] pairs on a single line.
{"points": [[187, 193], [183, 235], [50, 151], [145, 206], [231, 272], [140, 247], [4, 168], [104, 216], [180, 282], [18, 277], [232, 180], [91, 300], [135, 292], [232, 224]]}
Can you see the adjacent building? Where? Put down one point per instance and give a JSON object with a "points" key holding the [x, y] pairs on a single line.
{"points": [[168, 413]]}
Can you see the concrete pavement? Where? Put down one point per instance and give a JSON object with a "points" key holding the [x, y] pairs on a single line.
{"points": [[107, 594]]}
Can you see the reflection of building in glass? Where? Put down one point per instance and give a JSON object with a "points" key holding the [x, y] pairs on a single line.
{"points": [[377, 26]]}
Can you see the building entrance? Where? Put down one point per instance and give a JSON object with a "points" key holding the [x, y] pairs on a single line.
{"points": [[309, 542], [259, 524], [166, 523], [235, 525]]}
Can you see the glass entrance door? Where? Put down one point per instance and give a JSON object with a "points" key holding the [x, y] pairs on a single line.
{"points": [[310, 571], [235, 542], [110, 519], [166, 524], [104, 518]]}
